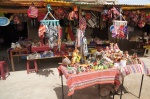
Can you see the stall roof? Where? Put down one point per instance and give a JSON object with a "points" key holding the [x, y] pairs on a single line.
{"points": [[120, 2], [134, 2]]}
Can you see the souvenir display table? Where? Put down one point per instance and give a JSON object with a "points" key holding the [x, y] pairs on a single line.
{"points": [[109, 65], [108, 76], [17, 53], [86, 79]]}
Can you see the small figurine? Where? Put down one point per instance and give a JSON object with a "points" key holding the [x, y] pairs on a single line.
{"points": [[111, 47], [75, 57], [116, 48], [126, 54]]}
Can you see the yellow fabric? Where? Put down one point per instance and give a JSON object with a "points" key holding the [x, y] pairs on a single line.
{"points": [[68, 36], [147, 46]]}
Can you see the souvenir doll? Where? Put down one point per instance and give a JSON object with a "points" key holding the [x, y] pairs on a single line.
{"points": [[75, 57], [116, 48]]}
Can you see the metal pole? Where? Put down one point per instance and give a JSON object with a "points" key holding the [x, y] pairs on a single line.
{"points": [[62, 87], [121, 88], [71, 97], [141, 85]]}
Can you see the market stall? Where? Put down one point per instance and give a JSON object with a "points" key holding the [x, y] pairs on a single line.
{"points": [[108, 65]]}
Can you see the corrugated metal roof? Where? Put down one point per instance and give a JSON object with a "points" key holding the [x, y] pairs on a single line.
{"points": [[134, 2], [121, 2]]}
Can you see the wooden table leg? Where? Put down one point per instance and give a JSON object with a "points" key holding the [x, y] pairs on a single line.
{"points": [[12, 61]]}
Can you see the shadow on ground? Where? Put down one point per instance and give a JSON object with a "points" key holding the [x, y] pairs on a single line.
{"points": [[45, 72], [86, 93]]}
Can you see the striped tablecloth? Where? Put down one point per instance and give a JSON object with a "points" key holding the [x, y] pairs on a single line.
{"points": [[85, 79], [135, 68]]}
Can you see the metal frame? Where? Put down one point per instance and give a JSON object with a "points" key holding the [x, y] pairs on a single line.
{"points": [[140, 87]]}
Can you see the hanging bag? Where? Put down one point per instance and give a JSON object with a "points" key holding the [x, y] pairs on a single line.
{"points": [[16, 19], [32, 11]]}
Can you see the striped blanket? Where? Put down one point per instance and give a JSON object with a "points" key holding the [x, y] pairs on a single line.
{"points": [[85, 79], [135, 68]]}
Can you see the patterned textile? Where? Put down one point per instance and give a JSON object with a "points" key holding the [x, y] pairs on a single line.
{"points": [[135, 68], [82, 24], [41, 31], [32, 12], [86, 79]]}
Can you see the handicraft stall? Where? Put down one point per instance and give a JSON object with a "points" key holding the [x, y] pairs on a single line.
{"points": [[107, 66]]}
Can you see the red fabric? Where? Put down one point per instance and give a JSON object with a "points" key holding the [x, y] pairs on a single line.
{"points": [[41, 16], [82, 80], [41, 31], [3, 65], [71, 33], [40, 48], [82, 24], [33, 12]]}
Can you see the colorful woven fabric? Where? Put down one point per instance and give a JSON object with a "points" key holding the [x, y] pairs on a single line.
{"points": [[135, 68], [85, 79], [41, 31]]}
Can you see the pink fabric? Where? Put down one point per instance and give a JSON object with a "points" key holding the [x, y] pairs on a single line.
{"points": [[32, 12]]}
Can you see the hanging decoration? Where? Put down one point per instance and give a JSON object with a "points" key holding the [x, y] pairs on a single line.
{"points": [[32, 11], [4, 21], [46, 21], [92, 18], [73, 14], [137, 18], [59, 13], [70, 35], [119, 27], [82, 24], [14, 19], [51, 29]]}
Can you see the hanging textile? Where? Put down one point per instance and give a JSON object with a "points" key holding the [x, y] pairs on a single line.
{"points": [[70, 33], [41, 31], [52, 28], [16, 19], [32, 11], [85, 48], [80, 35], [51, 34], [119, 27], [82, 24]]}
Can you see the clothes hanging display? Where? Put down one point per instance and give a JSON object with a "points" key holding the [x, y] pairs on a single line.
{"points": [[119, 27], [50, 28], [52, 34]]}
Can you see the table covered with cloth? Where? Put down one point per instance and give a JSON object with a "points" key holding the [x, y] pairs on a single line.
{"points": [[85, 79], [113, 75], [135, 68]]}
